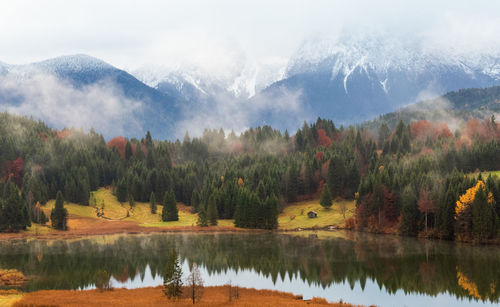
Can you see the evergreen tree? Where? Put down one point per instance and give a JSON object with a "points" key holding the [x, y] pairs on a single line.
{"points": [[212, 211], [152, 202], [172, 281], [409, 212], [131, 201], [195, 201], [336, 176], [128, 151], [483, 217], [170, 212], [202, 216], [121, 191], [59, 214], [326, 197]]}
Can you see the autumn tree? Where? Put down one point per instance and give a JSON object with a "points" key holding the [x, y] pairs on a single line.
{"points": [[425, 204], [483, 215], [463, 212]]}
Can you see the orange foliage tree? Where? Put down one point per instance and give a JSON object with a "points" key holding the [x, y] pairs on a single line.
{"points": [[463, 209], [323, 139]]}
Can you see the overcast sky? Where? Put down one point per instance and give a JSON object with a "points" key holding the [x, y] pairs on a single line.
{"points": [[129, 34]]}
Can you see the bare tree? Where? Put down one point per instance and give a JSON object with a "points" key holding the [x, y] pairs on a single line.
{"points": [[342, 207], [195, 283], [232, 291]]}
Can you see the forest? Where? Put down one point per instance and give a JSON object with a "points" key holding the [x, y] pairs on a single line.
{"points": [[416, 179]]}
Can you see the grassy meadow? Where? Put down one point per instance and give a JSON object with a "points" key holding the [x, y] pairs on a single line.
{"points": [[294, 215]]}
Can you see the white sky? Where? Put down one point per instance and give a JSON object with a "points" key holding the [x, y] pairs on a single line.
{"points": [[129, 34]]}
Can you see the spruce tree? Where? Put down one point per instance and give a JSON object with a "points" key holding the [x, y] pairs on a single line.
{"points": [[170, 212], [202, 216], [409, 212], [172, 281], [212, 210], [59, 214], [326, 197], [152, 202], [128, 151], [483, 217]]}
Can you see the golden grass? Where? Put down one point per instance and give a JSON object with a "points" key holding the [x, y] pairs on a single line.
{"points": [[9, 297], [212, 296], [72, 208], [83, 220], [295, 215]]}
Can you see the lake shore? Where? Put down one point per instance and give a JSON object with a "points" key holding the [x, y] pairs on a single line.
{"points": [[153, 296]]}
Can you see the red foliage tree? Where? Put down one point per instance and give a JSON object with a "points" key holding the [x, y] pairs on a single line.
{"points": [[319, 156], [323, 139], [120, 142], [422, 129], [425, 204], [13, 170]]}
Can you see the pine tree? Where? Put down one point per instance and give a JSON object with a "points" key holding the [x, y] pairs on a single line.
{"points": [[212, 210], [172, 282], [152, 202], [59, 214], [326, 197]]}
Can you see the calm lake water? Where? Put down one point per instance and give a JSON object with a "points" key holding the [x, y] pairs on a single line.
{"points": [[357, 268]]}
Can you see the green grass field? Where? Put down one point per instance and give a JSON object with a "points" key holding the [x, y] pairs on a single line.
{"points": [[295, 216]]}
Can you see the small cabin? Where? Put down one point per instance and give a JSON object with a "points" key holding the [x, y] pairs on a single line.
{"points": [[312, 214]]}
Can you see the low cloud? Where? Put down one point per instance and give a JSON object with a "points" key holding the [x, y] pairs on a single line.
{"points": [[101, 105], [285, 110]]}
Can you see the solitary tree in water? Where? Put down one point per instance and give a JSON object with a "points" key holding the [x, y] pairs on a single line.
{"points": [[172, 282], [326, 197], [59, 214]]}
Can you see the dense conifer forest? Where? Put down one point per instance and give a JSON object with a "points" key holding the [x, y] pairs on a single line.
{"points": [[414, 179]]}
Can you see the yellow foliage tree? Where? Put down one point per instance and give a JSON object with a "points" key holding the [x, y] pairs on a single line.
{"points": [[467, 199]]}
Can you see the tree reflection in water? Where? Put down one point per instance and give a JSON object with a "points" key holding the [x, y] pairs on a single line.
{"points": [[422, 267]]}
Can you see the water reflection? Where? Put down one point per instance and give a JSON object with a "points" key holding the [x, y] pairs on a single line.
{"points": [[359, 268]]}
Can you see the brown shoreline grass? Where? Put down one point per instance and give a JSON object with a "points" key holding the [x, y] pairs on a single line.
{"points": [[212, 296]]}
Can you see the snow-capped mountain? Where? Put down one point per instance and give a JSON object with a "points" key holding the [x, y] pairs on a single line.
{"points": [[348, 80], [106, 96], [357, 77], [242, 81]]}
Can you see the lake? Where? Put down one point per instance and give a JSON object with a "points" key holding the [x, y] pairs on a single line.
{"points": [[355, 267]]}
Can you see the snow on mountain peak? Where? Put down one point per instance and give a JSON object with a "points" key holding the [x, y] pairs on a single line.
{"points": [[381, 52]]}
